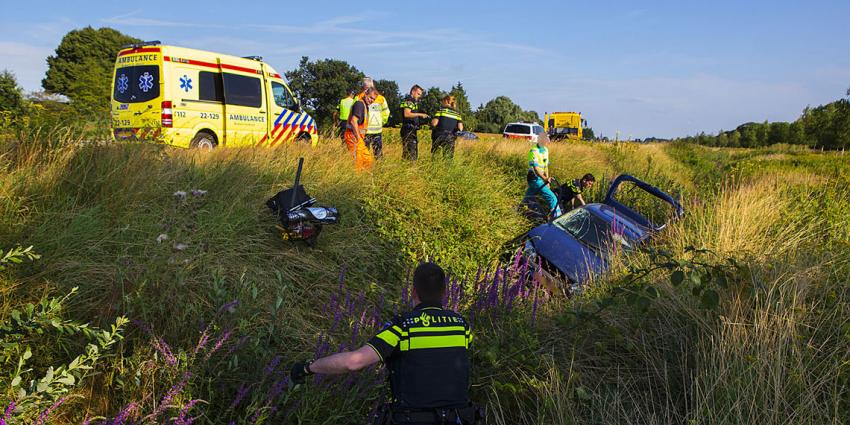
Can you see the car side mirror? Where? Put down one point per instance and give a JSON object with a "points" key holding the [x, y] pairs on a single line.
{"points": [[296, 107]]}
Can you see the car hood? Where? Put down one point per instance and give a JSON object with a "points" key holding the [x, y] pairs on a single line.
{"points": [[571, 257]]}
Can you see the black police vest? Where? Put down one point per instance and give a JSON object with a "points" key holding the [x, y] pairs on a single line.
{"points": [[427, 354]]}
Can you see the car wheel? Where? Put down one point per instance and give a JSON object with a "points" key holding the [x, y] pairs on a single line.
{"points": [[204, 141]]}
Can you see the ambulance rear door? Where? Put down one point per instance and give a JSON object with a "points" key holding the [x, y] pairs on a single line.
{"points": [[137, 94]]}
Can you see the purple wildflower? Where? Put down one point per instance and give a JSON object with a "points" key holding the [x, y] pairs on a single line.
{"points": [[202, 342], [229, 307], [160, 345], [324, 348], [276, 389], [517, 258], [493, 295], [224, 337], [349, 305], [124, 414], [272, 365], [142, 325], [236, 346], [182, 419], [171, 394], [7, 414], [47, 412], [240, 395], [355, 332], [341, 277], [536, 285], [404, 296]]}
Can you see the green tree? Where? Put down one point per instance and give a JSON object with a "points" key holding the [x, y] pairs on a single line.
{"points": [[11, 94], [430, 102], [470, 122], [587, 133], [321, 84], [389, 89], [493, 116], [780, 132], [81, 68]]}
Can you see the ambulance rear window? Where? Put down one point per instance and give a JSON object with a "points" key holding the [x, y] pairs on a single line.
{"points": [[134, 84]]}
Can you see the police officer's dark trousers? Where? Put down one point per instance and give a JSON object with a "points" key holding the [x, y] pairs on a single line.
{"points": [[443, 143], [469, 415], [409, 142]]}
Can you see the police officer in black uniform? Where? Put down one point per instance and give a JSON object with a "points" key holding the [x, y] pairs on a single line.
{"points": [[411, 117], [444, 127], [427, 354]]}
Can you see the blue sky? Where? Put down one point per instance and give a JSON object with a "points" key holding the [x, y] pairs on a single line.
{"points": [[663, 68]]}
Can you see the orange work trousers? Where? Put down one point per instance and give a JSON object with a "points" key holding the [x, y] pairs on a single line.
{"points": [[363, 158]]}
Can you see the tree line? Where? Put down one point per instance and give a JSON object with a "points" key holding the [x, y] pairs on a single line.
{"points": [[81, 70], [320, 84], [826, 126]]}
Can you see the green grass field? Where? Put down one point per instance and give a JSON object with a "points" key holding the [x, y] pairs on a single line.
{"points": [[757, 331]]}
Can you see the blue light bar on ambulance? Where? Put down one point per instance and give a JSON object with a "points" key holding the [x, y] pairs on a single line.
{"points": [[142, 44]]}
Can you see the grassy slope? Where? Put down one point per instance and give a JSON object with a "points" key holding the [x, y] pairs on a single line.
{"points": [[94, 213]]}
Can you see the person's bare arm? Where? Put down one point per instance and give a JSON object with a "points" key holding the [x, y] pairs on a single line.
{"points": [[352, 121], [434, 122], [349, 361], [460, 126], [410, 114], [580, 199]]}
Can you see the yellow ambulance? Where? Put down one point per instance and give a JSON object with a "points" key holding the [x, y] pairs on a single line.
{"points": [[193, 98]]}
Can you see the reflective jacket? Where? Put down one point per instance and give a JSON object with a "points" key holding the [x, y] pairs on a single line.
{"points": [[427, 354], [379, 114], [344, 108], [538, 156]]}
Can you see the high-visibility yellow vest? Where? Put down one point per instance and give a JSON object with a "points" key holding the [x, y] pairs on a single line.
{"points": [[379, 114], [538, 156], [345, 108]]}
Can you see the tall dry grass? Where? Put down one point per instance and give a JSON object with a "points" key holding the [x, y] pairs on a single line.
{"points": [[773, 352]]}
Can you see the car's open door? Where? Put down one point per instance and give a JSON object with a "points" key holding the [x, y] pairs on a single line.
{"points": [[611, 200]]}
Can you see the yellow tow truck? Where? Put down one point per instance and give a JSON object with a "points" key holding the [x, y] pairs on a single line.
{"points": [[564, 125]]}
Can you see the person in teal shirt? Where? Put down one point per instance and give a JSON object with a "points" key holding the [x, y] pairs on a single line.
{"points": [[538, 176]]}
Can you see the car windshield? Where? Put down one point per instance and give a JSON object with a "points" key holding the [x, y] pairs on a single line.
{"points": [[518, 129], [595, 231]]}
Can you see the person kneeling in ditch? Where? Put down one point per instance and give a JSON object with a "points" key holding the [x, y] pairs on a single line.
{"points": [[538, 176], [427, 353]]}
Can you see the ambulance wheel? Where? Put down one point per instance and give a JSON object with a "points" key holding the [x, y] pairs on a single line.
{"points": [[304, 138], [204, 140]]}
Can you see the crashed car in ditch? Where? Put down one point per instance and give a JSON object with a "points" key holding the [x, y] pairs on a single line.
{"points": [[580, 243]]}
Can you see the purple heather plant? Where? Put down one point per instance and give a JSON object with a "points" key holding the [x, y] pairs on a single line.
{"points": [[182, 418], [229, 307], [240, 395], [168, 398], [224, 337], [7, 413], [163, 348], [47, 412], [124, 414]]}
